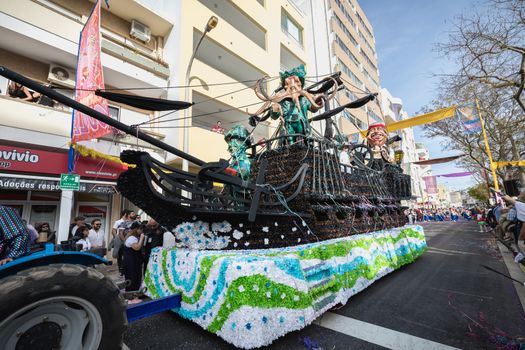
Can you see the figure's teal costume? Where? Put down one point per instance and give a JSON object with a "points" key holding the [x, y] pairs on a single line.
{"points": [[295, 120]]}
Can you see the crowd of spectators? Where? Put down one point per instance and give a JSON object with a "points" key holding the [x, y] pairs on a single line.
{"points": [[509, 221], [505, 219], [133, 241], [478, 214]]}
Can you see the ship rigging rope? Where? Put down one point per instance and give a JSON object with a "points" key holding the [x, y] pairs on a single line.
{"points": [[178, 86], [194, 116]]}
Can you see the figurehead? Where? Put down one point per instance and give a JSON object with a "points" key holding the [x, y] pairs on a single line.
{"points": [[377, 135], [377, 140]]}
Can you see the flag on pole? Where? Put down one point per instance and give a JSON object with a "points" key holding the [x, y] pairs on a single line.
{"points": [[89, 78], [468, 117], [430, 184]]}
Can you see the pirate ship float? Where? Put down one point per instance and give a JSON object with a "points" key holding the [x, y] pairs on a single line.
{"points": [[291, 233], [292, 181]]}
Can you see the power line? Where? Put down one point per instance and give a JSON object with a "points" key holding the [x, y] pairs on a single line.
{"points": [[159, 88], [201, 115], [176, 86]]}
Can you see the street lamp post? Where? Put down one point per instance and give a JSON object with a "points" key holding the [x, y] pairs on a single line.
{"points": [[212, 23]]}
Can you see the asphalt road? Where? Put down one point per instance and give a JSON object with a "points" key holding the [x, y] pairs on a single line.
{"points": [[446, 298]]}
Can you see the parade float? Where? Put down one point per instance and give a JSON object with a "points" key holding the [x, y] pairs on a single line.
{"points": [[289, 233]]}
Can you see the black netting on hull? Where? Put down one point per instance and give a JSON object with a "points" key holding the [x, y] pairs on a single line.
{"points": [[332, 201]]}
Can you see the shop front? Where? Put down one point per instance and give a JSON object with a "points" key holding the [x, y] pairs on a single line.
{"points": [[30, 182]]}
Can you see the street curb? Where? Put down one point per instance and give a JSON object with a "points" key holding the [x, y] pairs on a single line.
{"points": [[515, 272]]}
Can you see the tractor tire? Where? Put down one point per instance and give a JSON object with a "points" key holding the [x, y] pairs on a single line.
{"points": [[61, 306]]}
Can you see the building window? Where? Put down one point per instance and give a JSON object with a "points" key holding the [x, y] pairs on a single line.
{"points": [[351, 96], [354, 120], [347, 15], [346, 50], [352, 76], [364, 25], [371, 79], [345, 30], [290, 27], [368, 60], [114, 112], [374, 116]]}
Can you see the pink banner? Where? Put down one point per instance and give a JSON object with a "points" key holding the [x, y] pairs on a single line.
{"points": [[430, 184], [463, 173], [89, 78]]}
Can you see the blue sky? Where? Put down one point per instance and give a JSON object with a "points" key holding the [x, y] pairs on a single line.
{"points": [[406, 32]]}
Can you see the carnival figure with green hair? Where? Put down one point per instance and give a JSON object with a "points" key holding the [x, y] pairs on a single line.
{"points": [[292, 103], [238, 140]]}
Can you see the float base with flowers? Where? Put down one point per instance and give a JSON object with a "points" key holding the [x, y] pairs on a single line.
{"points": [[250, 298]]}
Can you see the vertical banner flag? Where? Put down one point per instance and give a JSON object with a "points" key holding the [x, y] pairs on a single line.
{"points": [[89, 78], [430, 184], [469, 118]]}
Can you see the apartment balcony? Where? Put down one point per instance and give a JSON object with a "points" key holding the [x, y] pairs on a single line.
{"points": [[207, 145], [29, 28], [29, 122]]}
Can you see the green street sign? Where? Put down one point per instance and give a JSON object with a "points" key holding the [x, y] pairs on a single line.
{"points": [[69, 182]]}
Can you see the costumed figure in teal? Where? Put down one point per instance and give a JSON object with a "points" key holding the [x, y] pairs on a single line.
{"points": [[238, 140], [292, 103]]}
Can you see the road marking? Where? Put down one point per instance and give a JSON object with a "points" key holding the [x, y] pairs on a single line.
{"points": [[378, 335], [422, 324], [451, 251], [462, 293], [430, 251]]}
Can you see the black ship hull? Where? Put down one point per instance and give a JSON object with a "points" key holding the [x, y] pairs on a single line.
{"points": [[326, 200]]}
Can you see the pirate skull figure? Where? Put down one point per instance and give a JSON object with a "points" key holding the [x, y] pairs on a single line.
{"points": [[377, 138]]}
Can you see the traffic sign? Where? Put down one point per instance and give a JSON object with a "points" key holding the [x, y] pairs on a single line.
{"points": [[69, 182]]}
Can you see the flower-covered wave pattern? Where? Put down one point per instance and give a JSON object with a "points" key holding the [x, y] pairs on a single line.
{"points": [[252, 297]]}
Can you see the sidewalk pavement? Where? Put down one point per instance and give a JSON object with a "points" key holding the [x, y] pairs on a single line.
{"points": [[516, 271]]}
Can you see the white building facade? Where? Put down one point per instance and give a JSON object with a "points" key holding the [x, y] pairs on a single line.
{"points": [[40, 38]]}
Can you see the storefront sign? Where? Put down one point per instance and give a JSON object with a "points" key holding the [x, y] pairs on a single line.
{"points": [[23, 184], [20, 159], [69, 182]]}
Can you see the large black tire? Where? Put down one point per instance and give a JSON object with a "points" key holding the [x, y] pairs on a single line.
{"points": [[48, 293]]}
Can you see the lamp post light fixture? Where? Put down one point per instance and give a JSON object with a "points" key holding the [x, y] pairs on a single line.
{"points": [[212, 23], [398, 156]]}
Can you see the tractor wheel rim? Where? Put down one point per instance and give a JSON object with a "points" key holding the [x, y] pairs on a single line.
{"points": [[79, 320]]}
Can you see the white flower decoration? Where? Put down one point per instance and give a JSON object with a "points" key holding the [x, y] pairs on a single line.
{"points": [[237, 234]]}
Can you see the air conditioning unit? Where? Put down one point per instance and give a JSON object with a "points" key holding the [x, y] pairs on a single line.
{"points": [[140, 31], [61, 76]]}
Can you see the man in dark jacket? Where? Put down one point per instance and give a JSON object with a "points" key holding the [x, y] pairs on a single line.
{"points": [[154, 238]]}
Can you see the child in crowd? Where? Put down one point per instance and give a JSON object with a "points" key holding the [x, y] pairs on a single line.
{"points": [[82, 234]]}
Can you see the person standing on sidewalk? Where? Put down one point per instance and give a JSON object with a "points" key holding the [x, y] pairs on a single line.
{"points": [[519, 229], [97, 238], [118, 237], [133, 258], [154, 238], [79, 221]]}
